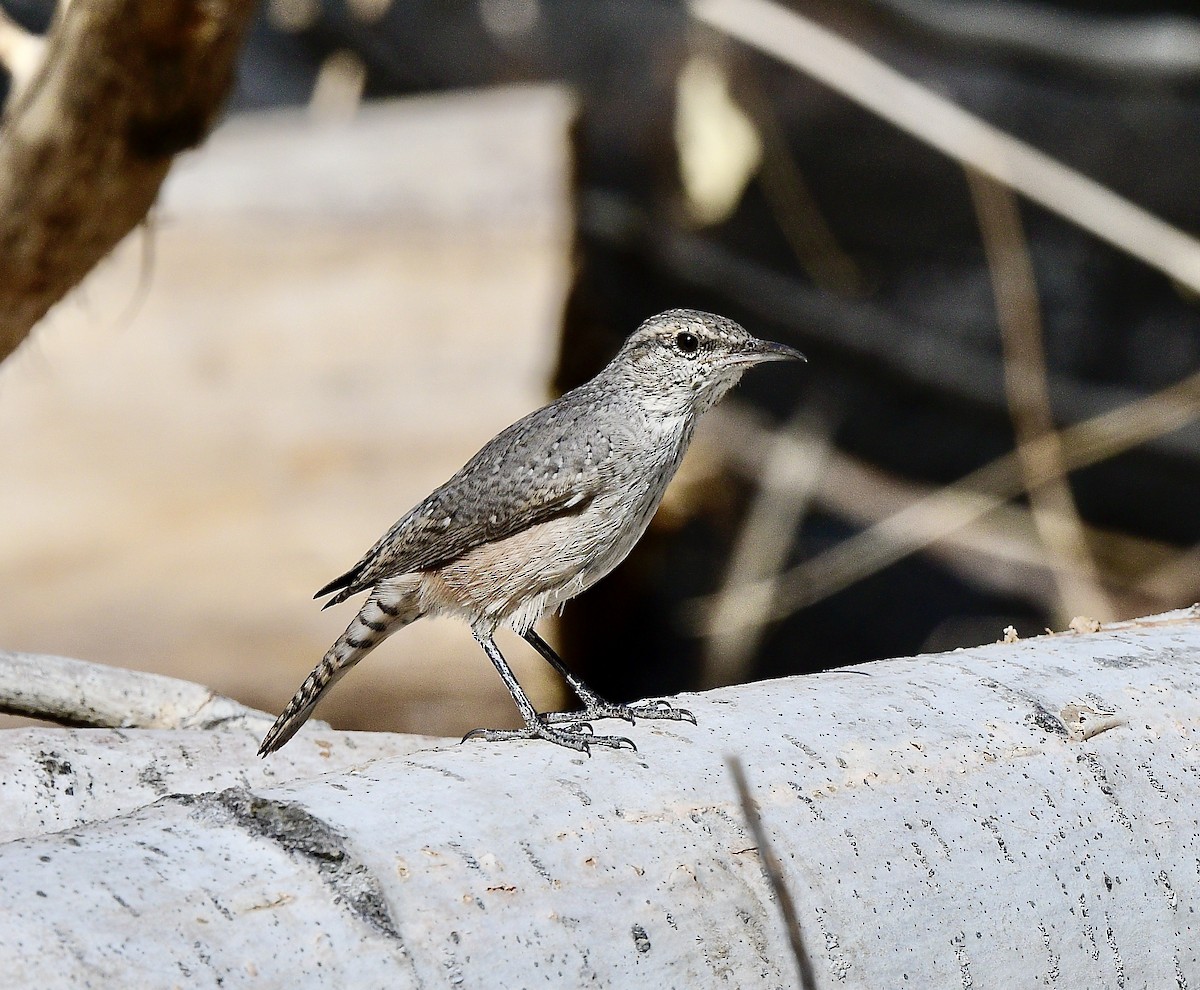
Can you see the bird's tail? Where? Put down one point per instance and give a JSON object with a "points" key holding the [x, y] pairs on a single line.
{"points": [[380, 616]]}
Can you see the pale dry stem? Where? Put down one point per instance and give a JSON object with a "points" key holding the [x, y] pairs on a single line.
{"points": [[1021, 335]]}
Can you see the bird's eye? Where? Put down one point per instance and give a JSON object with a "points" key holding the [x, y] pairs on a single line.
{"points": [[688, 343]]}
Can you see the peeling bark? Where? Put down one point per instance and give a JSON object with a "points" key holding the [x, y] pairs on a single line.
{"points": [[945, 821], [125, 86]]}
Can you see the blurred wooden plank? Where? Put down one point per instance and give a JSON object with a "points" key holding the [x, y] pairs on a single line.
{"points": [[334, 318]]}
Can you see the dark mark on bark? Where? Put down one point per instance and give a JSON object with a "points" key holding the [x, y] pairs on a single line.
{"points": [[576, 790], [641, 940], [992, 826], [471, 861], [1092, 762], [536, 863], [1111, 938], [53, 766], [308, 839], [808, 801], [154, 849], [125, 904], [151, 138], [436, 769], [1041, 717], [151, 776], [1121, 662], [221, 908], [1046, 720]]}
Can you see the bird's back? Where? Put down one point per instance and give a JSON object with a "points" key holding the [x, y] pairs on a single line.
{"points": [[552, 462]]}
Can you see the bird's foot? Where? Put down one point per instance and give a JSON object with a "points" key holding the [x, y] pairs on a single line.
{"points": [[576, 734], [599, 708]]}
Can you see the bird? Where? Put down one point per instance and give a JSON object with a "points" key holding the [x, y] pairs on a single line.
{"points": [[542, 512]]}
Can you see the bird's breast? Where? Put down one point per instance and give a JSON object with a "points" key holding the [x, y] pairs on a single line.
{"points": [[625, 507]]}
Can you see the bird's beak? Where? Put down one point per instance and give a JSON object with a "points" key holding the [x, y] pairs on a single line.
{"points": [[767, 350]]}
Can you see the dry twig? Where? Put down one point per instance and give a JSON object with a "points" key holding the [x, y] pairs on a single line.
{"points": [[1049, 455], [1017, 311], [845, 67], [952, 508], [1124, 45], [801, 221], [1000, 550], [774, 872], [787, 479]]}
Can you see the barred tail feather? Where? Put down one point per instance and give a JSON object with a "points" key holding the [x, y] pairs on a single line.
{"points": [[381, 616], [324, 675]]}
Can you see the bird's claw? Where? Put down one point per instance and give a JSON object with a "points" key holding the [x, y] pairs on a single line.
{"points": [[577, 735], [661, 708], [657, 708]]}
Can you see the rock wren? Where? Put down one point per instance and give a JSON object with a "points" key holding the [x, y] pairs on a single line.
{"points": [[545, 510]]}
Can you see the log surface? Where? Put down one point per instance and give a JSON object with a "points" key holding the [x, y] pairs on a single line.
{"points": [[1018, 815]]}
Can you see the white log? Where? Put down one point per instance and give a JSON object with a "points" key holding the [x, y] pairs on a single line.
{"points": [[51, 780], [75, 692], [1020, 815]]}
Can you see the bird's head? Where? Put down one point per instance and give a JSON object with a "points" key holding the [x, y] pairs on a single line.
{"points": [[685, 360]]}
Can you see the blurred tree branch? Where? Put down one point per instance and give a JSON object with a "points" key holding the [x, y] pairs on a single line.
{"points": [[124, 87], [1143, 45]]}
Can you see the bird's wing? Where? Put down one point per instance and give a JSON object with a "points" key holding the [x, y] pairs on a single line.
{"points": [[541, 467]]}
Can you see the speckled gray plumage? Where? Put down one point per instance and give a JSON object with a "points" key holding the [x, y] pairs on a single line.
{"points": [[544, 510], [549, 463]]}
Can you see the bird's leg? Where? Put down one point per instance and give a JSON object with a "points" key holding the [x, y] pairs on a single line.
{"points": [[578, 736], [593, 705]]}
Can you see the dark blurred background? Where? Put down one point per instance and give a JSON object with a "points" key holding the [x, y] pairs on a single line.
{"points": [[706, 175]]}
